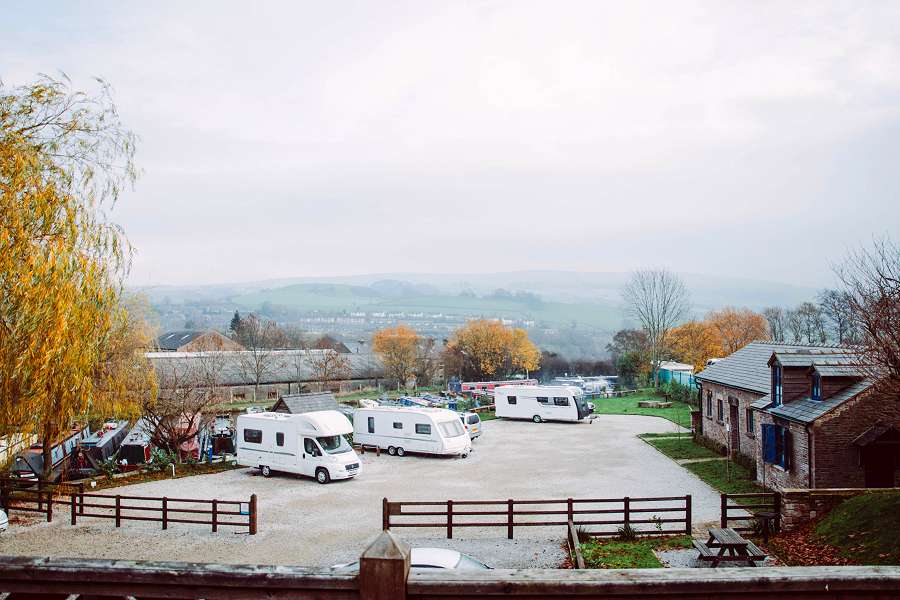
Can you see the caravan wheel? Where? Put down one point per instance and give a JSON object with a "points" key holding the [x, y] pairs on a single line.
{"points": [[266, 471], [391, 450], [322, 475], [400, 451], [536, 418]]}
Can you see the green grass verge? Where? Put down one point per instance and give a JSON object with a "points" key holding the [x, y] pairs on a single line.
{"points": [[725, 476], [679, 412], [681, 448], [637, 554], [865, 528]]}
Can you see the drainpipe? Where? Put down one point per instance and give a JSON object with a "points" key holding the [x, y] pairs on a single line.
{"points": [[809, 446]]}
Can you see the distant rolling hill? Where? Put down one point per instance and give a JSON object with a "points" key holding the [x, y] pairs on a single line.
{"points": [[337, 297]]}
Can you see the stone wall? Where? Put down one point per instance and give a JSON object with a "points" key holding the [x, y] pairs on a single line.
{"points": [[799, 506], [714, 429], [796, 476]]}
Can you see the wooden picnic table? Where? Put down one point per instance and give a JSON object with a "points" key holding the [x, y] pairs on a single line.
{"points": [[727, 545]]}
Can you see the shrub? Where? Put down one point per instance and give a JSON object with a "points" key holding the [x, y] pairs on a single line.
{"points": [[626, 533]]}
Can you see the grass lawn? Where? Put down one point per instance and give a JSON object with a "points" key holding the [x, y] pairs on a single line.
{"points": [[679, 412], [725, 476], [681, 448], [636, 554], [865, 528]]}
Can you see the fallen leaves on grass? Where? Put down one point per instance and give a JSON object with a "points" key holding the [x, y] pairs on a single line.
{"points": [[801, 548]]}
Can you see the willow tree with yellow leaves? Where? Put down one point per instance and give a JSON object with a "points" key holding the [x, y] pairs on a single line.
{"points": [[485, 349], [69, 347]]}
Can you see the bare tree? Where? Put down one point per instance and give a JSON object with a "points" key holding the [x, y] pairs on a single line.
{"points": [[835, 307], [794, 321], [871, 278], [427, 361], [658, 299], [776, 319], [813, 325], [260, 338], [188, 390], [327, 367]]}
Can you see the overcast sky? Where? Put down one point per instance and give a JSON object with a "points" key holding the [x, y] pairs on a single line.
{"points": [[750, 139]]}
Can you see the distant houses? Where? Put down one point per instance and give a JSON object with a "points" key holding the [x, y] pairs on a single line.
{"points": [[804, 415]]}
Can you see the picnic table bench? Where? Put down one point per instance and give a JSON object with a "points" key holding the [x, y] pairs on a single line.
{"points": [[726, 545]]}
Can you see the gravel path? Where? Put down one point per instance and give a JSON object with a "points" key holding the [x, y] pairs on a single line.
{"points": [[302, 522]]}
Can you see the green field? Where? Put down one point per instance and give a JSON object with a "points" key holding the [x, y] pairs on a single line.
{"points": [[725, 476], [679, 412], [335, 298], [865, 528], [681, 448], [635, 554]]}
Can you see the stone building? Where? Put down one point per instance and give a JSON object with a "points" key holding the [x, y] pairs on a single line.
{"points": [[804, 415]]}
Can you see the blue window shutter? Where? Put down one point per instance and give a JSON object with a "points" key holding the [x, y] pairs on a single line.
{"points": [[768, 440]]}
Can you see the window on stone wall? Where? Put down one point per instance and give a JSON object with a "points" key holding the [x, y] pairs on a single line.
{"points": [[777, 445], [751, 421], [816, 386], [709, 405], [720, 411], [776, 384]]}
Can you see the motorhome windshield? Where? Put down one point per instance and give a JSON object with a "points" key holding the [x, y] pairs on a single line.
{"points": [[451, 429], [334, 444], [583, 409]]}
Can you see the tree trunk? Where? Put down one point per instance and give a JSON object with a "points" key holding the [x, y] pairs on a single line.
{"points": [[48, 435]]}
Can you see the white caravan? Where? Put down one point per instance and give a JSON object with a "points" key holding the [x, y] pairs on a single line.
{"points": [[402, 429], [310, 444], [542, 403]]}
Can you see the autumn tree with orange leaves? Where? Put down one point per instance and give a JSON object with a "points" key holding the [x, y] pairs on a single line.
{"points": [[69, 347], [398, 349], [484, 349], [695, 342], [737, 327]]}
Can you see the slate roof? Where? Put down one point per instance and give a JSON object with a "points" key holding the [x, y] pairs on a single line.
{"points": [[296, 404], [817, 356], [748, 368], [874, 433], [837, 370], [763, 403], [234, 367], [173, 340], [807, 410]]}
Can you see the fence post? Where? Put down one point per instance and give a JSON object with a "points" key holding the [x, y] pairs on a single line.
{"points": [[627, 512], [385, 515], [777, 511], [74, 509], [252, 514], [80, 498], [723, 511], [569, 508], [384, 568], [118, 510], [688, 525], [449, 519], [49, 506], [40, 489], [165, 513], [215, 515], [509, 518]]}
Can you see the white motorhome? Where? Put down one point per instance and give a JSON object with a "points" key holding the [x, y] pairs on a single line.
{"points": [[402, 429], [310, 444], [542, 403]]}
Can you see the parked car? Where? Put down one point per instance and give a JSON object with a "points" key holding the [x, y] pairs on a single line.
{"points": [[472, 423], [432, 558], [4, 521]]}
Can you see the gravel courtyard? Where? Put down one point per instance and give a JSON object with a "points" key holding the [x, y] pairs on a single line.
{"points": [[302, 522]]}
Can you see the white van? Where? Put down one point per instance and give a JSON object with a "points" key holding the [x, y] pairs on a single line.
{"points": [[542, 403], [310, 444], [402, 429]]}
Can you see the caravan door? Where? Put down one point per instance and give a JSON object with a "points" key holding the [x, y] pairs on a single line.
{"points": [[310, 457]]}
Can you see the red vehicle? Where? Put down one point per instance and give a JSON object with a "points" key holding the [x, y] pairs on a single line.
{"points": [[483, 387]]}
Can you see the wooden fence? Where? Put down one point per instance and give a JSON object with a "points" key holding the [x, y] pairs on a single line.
{"points": [[216, 513], [385, 574], [23, 495], [35, 497], [647, 516], [763, 508]]}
